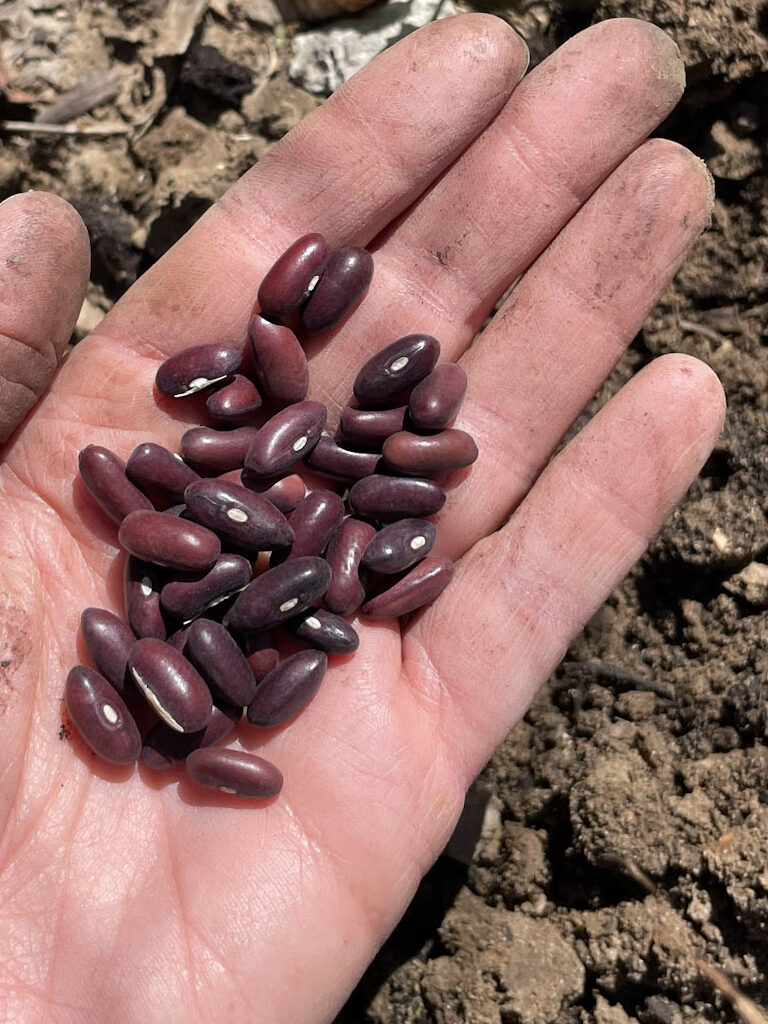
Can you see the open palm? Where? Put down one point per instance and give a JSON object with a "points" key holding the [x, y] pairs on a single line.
{"points": [[131, 897]]}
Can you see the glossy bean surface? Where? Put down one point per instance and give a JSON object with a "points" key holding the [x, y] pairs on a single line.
{"points": [[238, 515], [326, 631], [260, 653], [235, 772], [169, 541], [220, 662], [279, 594], [108, 641], [400, 545], [284, 494], [314, 522], [212, 451], [391, 497], [279, 362], [196, 368], [287, 438], [289, 281], [371, 427], [99, 714], [396, 368], [437, 399], [185, 599], [347, 274], [422, 584], [171, 685], [288, 688], [235, 403], [429, 456], [103, 474], [330, 459], [152, 467], [163, 747], [142, 583], [346, 592]]}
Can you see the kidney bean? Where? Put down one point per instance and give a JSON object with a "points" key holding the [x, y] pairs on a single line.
{"points": [[279, 594], [170, 685], [326, 631], [153, 467], [164, 747], [216, 451], [99, 714], [284, 494], [141, 588], [346, 592], [390, 497], [196, 368], [400, 545], [330, 459], [436, 400], [422, 584], [185, 599], [286, 439], [396, 368], [279, 362], [235, 772], [314, 522], [108, 641], [178, 640], [220, 662], [371, 426], [260, 653], [169, 540], [238, 515], [287, 689], [103, 474], [234, 403], [290, 280], [429, 456], [347, 274]]}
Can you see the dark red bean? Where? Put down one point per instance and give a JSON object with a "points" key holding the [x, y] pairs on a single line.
{"points": [[260, 653], [400, 545], [101, 717], [314, 522], [429, 456], [164, 747], [216, 451], [235, 403], [170, 685], [279, 362], [279, 594], [153, 467], [435, 402], [290, 280], [169, 540], [390, 497], [330, 459], [194, 369], [371, 427], [422, 584], [141, 589], [103, 473], [346, 593], [284, 494], [326, 631], [108, 641], [238, 515], [185, 599], [220, 662], [288, 688], [178, 639], [347, 274], [235, 772], [286, 439], [396, 368]]}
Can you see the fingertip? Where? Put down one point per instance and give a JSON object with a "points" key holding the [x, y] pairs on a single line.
{"points": [[692, 385]]}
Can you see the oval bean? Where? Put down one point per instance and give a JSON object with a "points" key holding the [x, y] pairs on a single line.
{"points": [[170, 685], [422, 584], [234, 403], [169, 540], [346, 592], [279, 594], [260, 653], [437, 399], [238, 515], [99, 714], [164, 747], [291, 279], [314, 522], [216, 451], [330, 459], [287, 689], [347, 274], [185, 599], [142, 583], [220, 662], [279, 362], [396, 368], [235, 772], [286, 439], [400, 545], [151, 466], [429, 456], [108, 641], [390, 497], [371, 426], [103, 474], [326, 631], [284, 494], [196, 368]]}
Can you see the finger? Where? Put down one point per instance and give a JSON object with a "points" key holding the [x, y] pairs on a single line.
{"points": [[44, 264], [522, 594]]}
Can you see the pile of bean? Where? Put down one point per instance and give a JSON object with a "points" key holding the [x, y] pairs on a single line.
{"points": [[204, 613]]}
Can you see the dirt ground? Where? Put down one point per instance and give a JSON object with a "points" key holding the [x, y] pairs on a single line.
{"points": [[624, 823]]}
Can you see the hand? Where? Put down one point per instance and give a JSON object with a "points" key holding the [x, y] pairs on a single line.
{"points": [[123, 900]]}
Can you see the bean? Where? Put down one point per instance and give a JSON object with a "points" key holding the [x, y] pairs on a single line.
{"points": [[164, 747], [326, 631], [429, 456], [436, 400], [196, 368], [238, 515], [185, 599], [141, 588], [169, 540], [103, 474], [108, 641], [260, 653], [396, 368], [279, 594], [400, 545], [287, 689], [286, 439], [216, 451], [150, 466], [346, 592], [279, 362], [422, 584], [371, 426], [178, 640], [220, 662], [389, 497], [290, 280], [99, 714], [284, 494], [347, 274], [314, 522], [235, 772], [330, 459], [234, 403], [170, 685]]}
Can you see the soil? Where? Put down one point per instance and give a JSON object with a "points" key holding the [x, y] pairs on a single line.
{"points": [[612, 858]]}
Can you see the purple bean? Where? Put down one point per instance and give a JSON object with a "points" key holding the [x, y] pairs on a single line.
{"points": [[141, 588], [152, 467], [234, 403], [238, 515], [330, 459], [290, 280], [279, 362], [170, 685], [185, 599], [347, 274], [220, 662], [279, 594], [170, 541], [389, 497], [400, 545], [314, 522], [235, 772], [288, 688], [396, 368], [422, 584], [346, 592], [436, 400], [164, 747], [371, 426], [178, 640], [260, 653], [108, 641], [101, 717], [326, 631], [216, 451], [284, 494], [196, 368], [429, 456], [286, 439], [103, 473]]}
